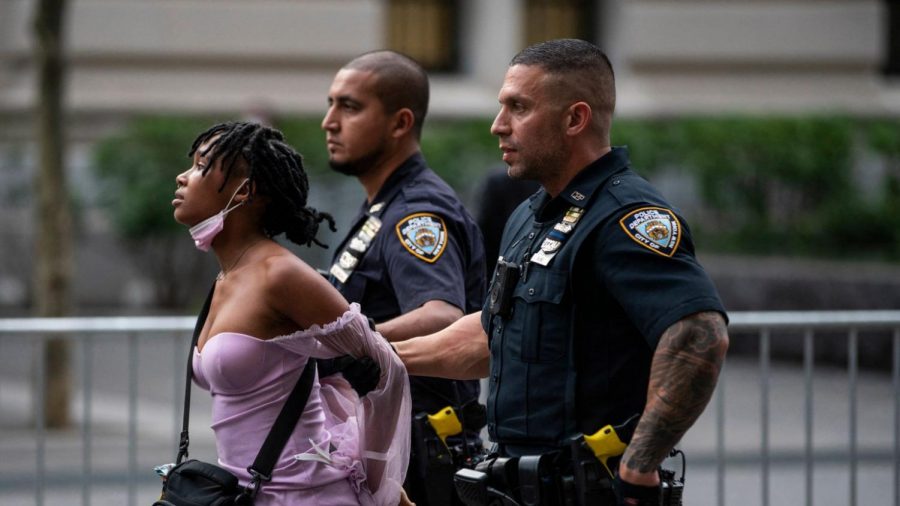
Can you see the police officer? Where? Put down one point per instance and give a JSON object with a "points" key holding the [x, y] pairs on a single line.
{"points": [[598, 308], [414, 258]]}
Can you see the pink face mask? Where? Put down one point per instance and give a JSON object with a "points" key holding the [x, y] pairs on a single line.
{"points": [[204, 232]]}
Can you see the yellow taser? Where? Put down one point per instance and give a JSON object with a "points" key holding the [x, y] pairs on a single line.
{"points": [[445, 423]]}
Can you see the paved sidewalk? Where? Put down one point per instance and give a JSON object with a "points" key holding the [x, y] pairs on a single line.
{"points": [[831, 472]]}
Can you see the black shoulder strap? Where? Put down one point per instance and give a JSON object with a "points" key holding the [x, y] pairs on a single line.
{"points": [[186, 413], [284, 424], [281, 430]]}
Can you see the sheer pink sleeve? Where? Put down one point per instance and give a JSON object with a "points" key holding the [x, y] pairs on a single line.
{"points": [[373, 432]]}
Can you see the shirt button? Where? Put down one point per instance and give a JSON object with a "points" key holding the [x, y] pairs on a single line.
{"points": [[531, 291], [616, 182], [531, 235]]}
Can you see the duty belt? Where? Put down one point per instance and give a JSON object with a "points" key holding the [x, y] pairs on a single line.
{"points": [[577, 475], [551, 479]]}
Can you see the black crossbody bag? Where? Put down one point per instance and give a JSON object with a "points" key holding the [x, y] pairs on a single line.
{"points": [[195, 483]]}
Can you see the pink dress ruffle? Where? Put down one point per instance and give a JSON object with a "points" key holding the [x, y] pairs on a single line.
{"points": [[344, 449], [371, 434]]}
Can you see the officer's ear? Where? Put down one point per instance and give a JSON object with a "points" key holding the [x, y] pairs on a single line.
{"points": [[578, 118], [403, 122]]}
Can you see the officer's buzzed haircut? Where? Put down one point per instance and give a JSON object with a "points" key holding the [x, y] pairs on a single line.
{"points": [[584, 71], [401, 82]]}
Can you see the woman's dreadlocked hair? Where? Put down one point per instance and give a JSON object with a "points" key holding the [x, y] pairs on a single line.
{"points": [[276, 170]]}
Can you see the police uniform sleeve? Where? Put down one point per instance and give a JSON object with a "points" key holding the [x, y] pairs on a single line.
{"points": [[425, 260], [646, 257]]}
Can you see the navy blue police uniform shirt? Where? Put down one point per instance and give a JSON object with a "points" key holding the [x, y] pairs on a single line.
{"points": [[427, 247], [626, 289]]}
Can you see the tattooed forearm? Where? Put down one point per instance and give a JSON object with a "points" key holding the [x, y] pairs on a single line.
{"points": [[683, 376]]}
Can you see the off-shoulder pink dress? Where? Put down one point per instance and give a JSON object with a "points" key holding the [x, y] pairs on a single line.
{"points": [[345, 449]]}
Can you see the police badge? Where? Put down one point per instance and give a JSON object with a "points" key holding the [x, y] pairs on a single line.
{"points": [[654, 228], [424, 235], [557, 236], [349, 258]]}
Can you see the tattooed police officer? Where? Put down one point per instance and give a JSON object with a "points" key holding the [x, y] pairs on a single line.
{"points": [[598, 308]]}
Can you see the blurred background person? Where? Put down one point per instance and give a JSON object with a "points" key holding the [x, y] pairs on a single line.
{"points": [[498, 196]]}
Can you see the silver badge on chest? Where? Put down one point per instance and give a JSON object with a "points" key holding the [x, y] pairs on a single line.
{"points": [[557, 236], [358, 245]]}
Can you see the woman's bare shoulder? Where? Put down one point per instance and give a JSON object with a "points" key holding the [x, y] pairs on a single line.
{"points": [[281, 263], [299, 292]]}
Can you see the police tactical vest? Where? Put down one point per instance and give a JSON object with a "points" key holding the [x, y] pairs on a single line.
{"points": [[532, 385]]}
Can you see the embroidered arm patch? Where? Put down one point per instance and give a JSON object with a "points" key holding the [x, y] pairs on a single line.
{"points": [[654, 228], [424, 235]]}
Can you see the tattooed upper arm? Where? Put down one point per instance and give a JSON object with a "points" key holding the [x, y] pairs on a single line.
{"points": [[702, 334], [683, 375]]}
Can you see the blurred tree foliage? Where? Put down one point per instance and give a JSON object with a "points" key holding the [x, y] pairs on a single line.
{"points": [[813, 186], [136, 169], [461, 151]]}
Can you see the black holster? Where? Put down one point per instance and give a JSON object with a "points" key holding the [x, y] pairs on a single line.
{"points": [[434, 463], [550, 479], [592, 483]]}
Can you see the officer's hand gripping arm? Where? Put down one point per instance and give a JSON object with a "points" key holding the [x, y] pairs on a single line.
{"points": [[460, 351]]}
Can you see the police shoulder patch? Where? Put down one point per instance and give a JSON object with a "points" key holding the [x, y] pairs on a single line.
{"points": [[655, 228], [424, 235]]}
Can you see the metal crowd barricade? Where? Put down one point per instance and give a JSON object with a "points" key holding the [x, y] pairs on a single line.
{"points": [[810, 322], [762, 324], [84, 331]]}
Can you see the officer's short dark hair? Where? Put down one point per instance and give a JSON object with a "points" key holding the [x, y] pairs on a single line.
{"points": [[584, 71], [401, 82]]}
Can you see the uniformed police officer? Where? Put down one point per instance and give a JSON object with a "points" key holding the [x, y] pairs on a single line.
{"points": [[598, 308], [414, 258]]}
